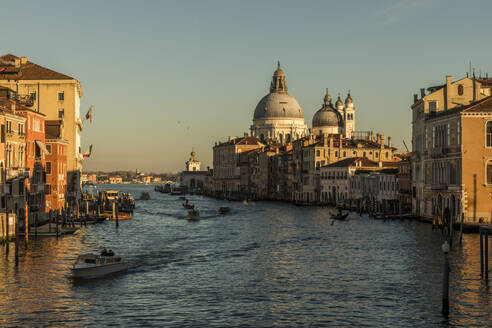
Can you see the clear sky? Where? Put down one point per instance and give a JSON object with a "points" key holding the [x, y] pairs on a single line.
{"points": [[166, 76]]}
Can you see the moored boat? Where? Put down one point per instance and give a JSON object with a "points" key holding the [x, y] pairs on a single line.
{"points": [[93, 266]]}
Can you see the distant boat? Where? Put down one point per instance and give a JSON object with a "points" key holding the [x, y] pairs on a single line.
{"points": [[188, 206], [144, 196], [224, 210], [94, 266], [193, 215], [245, 202]]}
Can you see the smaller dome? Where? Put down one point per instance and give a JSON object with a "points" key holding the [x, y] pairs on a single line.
{"points": [[339, 102], [349, 99], [327, 116], [193, 154]]}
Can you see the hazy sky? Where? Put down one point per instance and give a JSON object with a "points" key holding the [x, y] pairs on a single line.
{"points": [[166, 76]]}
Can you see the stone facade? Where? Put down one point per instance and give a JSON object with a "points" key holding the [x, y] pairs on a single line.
{"points": [[451, 155]]}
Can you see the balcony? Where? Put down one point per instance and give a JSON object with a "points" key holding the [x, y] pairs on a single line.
{"points": [[439, 186]]}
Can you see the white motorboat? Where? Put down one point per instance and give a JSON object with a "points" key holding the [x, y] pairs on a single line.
{"points": [[93, 266]]}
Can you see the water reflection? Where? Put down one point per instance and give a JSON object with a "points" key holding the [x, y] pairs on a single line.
{"points": [[270, 264]]}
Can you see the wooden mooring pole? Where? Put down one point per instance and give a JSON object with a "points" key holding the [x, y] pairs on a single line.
{"points": [[481, 253], [7, 237], [486, 254], [17, 239], [445, 281]]}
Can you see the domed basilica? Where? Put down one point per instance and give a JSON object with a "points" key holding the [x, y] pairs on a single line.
{"points": [[278, 116]]}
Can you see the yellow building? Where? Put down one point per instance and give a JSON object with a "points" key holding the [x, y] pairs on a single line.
{"points": [[58, 97], [452, 150]]}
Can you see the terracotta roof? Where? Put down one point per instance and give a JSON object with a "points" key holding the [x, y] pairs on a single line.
{"points": [[28, 71], [482, 106]]}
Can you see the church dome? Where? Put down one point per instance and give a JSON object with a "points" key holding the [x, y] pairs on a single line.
{"points": [[278, 103], [327, 116], [339, 102]]}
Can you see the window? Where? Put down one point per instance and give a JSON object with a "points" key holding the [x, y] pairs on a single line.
{"points": [[61, 113], [48, 167], [432, 106], [460, 89], [47, 189], [336, 154], [61, 95], [33, 95], [48, 148], [3, 133], [489, 133], [317, 153], [489, 172], [9, 126], [21, 129]]}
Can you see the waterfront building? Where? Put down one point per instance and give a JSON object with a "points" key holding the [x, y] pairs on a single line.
{"points": [[227, 170], [14, 149], [56, 165], [375, 191], [452, 150], [192, 179], [340, 186], [278, 116], [115, 180], [58, 97], [315, 151], [404, 178]]}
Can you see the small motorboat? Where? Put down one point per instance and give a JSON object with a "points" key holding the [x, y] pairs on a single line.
{"points": [[144, 196], [340, 217], [245, 202], [89, 266], [188, 206], [193, 215], [224, 210]]}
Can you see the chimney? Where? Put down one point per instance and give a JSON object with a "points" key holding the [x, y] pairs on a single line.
{"points": [[422, 93], [245, 134], [389, 142], [446, 92], [474, 89], [23, 60], [415, 98], [17, 62], [377, 138], [382, 141]]}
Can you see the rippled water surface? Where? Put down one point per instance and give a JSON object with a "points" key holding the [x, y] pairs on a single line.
{"points": [[267, 264]]}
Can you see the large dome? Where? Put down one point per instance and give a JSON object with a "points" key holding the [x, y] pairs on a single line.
{"points": [[278, 105]]}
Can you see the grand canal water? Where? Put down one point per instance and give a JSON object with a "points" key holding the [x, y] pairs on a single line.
{"points": [[267, 264]]}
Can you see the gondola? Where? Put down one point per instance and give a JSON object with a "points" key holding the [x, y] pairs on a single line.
{"points": [[342, 217], [188, 206]]}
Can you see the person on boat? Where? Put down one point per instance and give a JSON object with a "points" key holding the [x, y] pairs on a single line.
{"points": [[104, 252]]}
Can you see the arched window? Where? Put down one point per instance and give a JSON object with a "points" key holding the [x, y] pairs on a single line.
{"points": [[489, 172], [489, 133], [460, 89], [281, 137], [287, 137], [262, 137], [317, 152], [344, 154]]}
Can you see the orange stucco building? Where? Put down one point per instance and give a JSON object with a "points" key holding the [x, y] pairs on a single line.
{"points": [[56, 165]]}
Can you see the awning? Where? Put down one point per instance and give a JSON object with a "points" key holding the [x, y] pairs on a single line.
{"points": [[42, 147]]}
